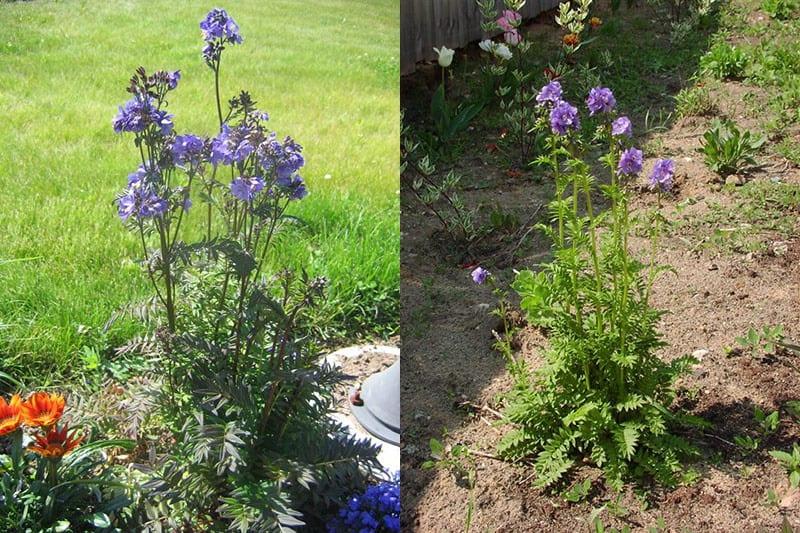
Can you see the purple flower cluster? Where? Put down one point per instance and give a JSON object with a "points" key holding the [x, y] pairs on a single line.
{"points": [[377, 510], [600, 99], [219, 26], [294, 186], [218, 29], [663, 174], [173, 78], [245, 189], [622, 126], [187, 149], [549, 94], [139, 199], [140, 112], [630, 162], [564, 117], [231, 146]]}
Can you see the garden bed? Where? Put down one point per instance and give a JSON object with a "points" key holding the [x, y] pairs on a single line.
{"points": [[735, 252]]}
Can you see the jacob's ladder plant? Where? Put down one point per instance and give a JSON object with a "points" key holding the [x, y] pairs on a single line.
{"points": [[245, 394], [603, 394]]}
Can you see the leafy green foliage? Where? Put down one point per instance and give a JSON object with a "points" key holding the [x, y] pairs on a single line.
{"points": [[724, 61], [768, 423], [578, 492], [78, 492], [439, 194], [727, 150], [449, 121], [762, 341], [780, 9], [603, 395], [791, 462]]}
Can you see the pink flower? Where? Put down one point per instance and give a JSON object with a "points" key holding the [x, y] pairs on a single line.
{"points": [[512, 37], [509, 21]]}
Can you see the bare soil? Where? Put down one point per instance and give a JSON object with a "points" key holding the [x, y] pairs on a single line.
{"points": [[453, 380]]}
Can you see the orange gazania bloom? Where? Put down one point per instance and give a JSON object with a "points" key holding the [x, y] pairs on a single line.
{"points": [[56, 443], [595, 22], [42, 409], [10, 414], [571, 39]]}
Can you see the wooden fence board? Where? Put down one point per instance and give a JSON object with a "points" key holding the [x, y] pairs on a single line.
{"points": [[425, 24]]}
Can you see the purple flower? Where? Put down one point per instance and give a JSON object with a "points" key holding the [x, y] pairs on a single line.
{"points": [[139, 199], [245, 189], [173, 78], [550, 93], [621, 126], [140, 112], [600, 99], [479, 275], [187, 148], [231, 145], [294, 186], [630, 163], [218, 25], [663, 174], [564, 117], [285, 157]]}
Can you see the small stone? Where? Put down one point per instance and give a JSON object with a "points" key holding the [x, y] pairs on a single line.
{"points": [[700, 354], [713, 266], [734, 180], [779, 248]]}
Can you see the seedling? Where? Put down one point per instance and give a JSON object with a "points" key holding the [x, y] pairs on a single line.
{"points": [[578, 492], [747, 443], [728, 150], [768, 422], [791, 462], [459, 462], [764, 341]]}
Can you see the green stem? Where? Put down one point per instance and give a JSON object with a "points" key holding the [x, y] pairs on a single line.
{"points": [[594, 252], [216, 89], [576, 297]]}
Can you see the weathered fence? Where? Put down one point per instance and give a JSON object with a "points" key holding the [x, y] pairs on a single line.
{"points": [[452, 23]]}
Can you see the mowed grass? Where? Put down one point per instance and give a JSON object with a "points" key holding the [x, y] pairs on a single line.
{"points": [[325, 70]]}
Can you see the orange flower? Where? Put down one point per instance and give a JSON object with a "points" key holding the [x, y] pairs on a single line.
{"points": [[571, 39], [595, 22], [10, 414], [56, 443], [42, 409]]}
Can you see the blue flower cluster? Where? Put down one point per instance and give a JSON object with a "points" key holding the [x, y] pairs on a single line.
{"points": [[140, 112], [139, 199], [375, 511], [261, 161], [218, 29], [564, 117]]}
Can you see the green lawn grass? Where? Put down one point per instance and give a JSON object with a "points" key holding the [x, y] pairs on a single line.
{"points": [[325, 70]]}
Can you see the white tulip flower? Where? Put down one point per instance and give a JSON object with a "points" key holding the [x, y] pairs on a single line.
{"points": [[502, 51], [445, 56], [496, 49]]}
